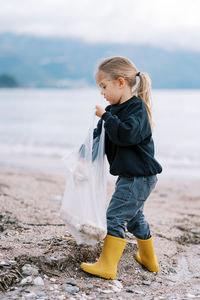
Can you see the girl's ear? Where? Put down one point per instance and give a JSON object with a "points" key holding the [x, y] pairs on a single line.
{"points": [[121, 81]]}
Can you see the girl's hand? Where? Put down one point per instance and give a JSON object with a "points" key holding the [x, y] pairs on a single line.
{"points": [[99, 111]]}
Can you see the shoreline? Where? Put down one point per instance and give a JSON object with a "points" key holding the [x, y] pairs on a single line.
{"points": [[56, 165], [32, 232]]}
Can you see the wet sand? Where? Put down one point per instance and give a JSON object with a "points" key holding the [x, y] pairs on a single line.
{"points": [[32, 232]]}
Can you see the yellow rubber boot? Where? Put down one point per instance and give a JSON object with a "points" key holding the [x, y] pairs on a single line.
{"points": [[106, 266], [146, 255]]}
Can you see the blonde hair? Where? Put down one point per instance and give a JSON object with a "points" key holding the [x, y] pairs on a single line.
{"points": [[122, 67]]}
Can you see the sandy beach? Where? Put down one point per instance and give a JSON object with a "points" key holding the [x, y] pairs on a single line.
{"points": [[32, 233]]}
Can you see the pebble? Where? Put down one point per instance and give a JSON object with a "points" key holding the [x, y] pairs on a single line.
{"points": [[139, 292], [119, 278], [163, 195], [195, 231], [90, 286], [71, 283], [26, 280], [105, 291], [71, 289], [41, 294], [172, 270], [132, 290], [30, 295], [61, 297], [116, 289], [145, 282], [38, 281], [118, 284], [4, 263], [129, 290], [190, 295], [53, 279], [29, 270]]}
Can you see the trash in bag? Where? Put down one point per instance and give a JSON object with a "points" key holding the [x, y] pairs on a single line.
{"points": [[83, 206]]}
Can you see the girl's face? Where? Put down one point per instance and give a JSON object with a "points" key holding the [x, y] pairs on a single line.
{"points": [[110, 88]]}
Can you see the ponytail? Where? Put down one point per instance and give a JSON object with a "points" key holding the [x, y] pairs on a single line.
{"points": [[143, 91]]}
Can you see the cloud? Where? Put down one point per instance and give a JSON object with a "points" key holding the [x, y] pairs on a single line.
{"points": [[165, 23]]}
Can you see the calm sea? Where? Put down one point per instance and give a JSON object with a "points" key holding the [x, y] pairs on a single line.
{"points": [[39, 127]]}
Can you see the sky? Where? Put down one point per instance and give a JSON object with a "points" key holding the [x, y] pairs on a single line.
{"points": [[171, 24]]}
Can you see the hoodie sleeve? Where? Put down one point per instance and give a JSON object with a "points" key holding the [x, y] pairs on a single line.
{"points": [[131, 131], [97, 130]]}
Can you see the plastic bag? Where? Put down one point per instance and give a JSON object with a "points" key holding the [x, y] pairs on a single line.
{"points": [[84, 203]]}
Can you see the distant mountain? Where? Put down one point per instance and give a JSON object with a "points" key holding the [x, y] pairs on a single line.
{"points": [[51, 62], [8, 81]]}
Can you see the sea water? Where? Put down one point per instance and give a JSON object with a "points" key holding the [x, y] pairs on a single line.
{"points": [[40, 126]]}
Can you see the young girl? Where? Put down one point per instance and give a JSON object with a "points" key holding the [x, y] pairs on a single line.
{"points": [[130, 151]]}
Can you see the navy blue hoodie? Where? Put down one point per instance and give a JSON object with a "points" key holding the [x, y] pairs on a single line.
{"points": [[128, 139]]}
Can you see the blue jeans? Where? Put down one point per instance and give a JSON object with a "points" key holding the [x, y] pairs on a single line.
{"points": [[126, 206]]}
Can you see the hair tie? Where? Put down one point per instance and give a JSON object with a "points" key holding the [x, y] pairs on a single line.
{"points": [[138, 74]]}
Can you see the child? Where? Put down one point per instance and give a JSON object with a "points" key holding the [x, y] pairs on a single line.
{"points": [[130, 151]]}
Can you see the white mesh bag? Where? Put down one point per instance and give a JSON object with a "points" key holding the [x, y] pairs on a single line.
{"points": [[83, 206]]}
